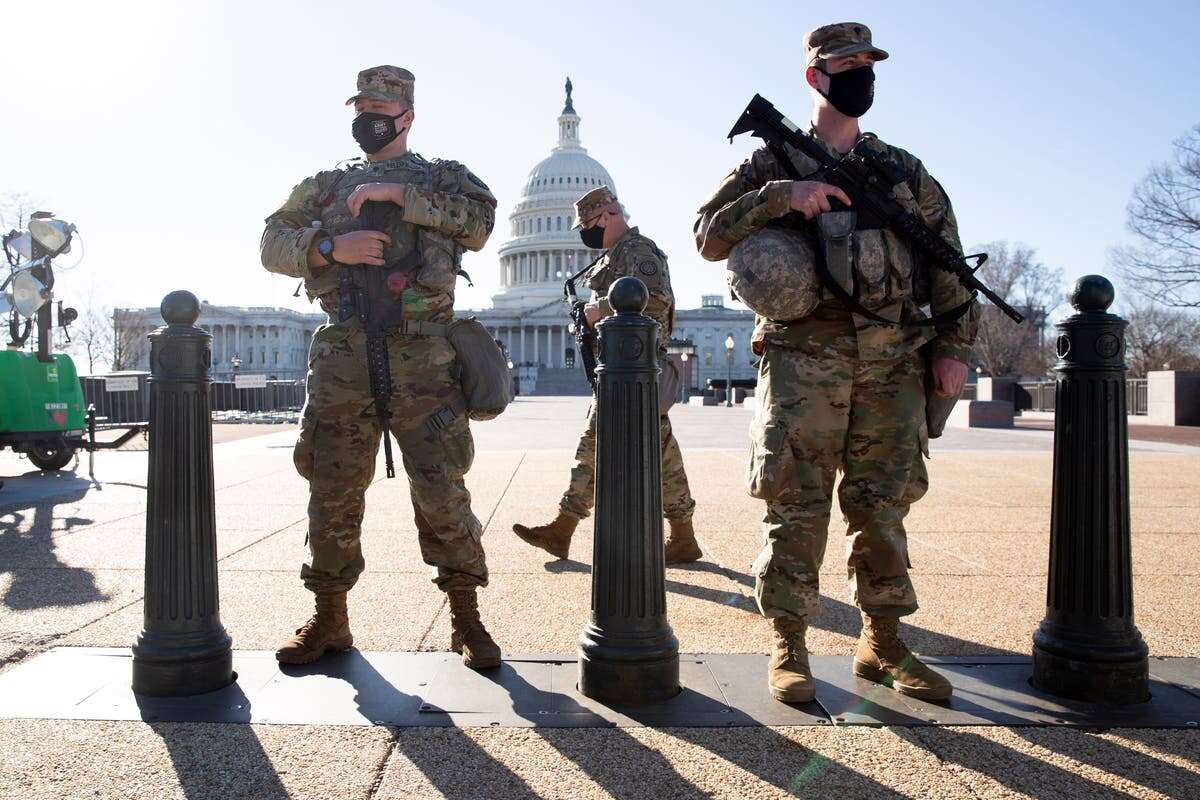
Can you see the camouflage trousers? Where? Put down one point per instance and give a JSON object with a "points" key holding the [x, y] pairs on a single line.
{"points": [[337, 447], [677, 502], [822, 410]]}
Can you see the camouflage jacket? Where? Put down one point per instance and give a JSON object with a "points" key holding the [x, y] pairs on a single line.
{"points": [[446, 210], [894, 280], [636, 255]]}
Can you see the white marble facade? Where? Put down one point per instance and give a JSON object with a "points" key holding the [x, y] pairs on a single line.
{"points": [[271, 341]]}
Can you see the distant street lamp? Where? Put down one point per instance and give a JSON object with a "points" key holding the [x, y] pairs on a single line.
{"points": [[236, 363], [729, 376]]}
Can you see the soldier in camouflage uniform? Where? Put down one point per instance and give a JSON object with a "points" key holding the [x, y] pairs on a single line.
{"points": [[839, 391], [438, 209], [602, 224]]}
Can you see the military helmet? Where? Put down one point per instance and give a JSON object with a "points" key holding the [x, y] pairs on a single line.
{"points": [[773, 272]]}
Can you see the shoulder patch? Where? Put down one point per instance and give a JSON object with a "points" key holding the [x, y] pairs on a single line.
{"points": [[475, 179], [648, 266]]}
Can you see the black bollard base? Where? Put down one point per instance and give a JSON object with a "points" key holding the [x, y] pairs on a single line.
{"points": [[1113, 670], [175, 666], [634, 683]]}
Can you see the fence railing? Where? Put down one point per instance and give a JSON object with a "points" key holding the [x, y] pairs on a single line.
{"points": [[1039, 396], [124, 398]]}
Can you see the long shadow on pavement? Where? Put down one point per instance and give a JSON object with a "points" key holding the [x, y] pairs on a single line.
{"points": [[39, 579], [218, 760], [1022, 773], [452, 762]]}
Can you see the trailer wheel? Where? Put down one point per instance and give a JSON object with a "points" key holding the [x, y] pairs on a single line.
{"points": [[50, 455]]}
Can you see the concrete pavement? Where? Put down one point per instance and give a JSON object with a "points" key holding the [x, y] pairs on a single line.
{"points": [[70, 574]]}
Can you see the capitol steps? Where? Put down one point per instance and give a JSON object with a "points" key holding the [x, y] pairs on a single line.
{"points": [[562, 381]]}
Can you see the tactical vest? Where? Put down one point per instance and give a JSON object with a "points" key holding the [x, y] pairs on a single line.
{"points": [[428, 291], [874, 265]]}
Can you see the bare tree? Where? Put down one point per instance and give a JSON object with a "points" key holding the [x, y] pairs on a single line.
{"points": [[15, 208], [1160, 337], [128, 340], [1003, 347], [1164, 216], [92, 337]]}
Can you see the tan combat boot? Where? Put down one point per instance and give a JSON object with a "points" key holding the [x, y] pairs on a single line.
{"points": [[788, 674], [328, 629], [881, 657], [467, 634], [681, 544], [554, 538]]}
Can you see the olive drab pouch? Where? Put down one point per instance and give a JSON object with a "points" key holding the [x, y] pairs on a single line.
{"points": [[670, 382], [835, 231], [483, 370], [937, 408]]}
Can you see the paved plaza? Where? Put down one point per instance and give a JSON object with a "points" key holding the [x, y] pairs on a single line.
{"points": [[71, 555]]}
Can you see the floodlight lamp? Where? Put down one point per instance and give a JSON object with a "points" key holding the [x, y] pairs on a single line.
{"points": [[28, 293], [52, 234]]}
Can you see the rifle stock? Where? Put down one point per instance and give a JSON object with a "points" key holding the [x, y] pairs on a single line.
{"points": [[585, 334]]}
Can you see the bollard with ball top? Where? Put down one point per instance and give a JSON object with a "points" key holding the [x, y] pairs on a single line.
{"points": [[1087, 647], [183, 649], [628, 653]]}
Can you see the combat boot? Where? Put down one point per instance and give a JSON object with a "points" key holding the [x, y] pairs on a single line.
{"points": [[788, 675], [881, 657], [554, 538], [468, 637], [681, 544], [328, 629]]}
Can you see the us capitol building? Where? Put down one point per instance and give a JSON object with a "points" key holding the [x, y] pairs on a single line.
{"points": [[529, 316]]}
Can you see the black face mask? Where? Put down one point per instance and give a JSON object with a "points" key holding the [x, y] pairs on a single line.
{"points": [[593, 237], [851, 92], [373, 132]]}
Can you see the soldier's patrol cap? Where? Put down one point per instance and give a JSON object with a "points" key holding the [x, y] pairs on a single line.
{"points": [[386, 83], [839, 40], [592, 202]]}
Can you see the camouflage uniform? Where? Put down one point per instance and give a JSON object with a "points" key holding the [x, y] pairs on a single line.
{"points": [[446, 210], [632, 254], [841, 392]]}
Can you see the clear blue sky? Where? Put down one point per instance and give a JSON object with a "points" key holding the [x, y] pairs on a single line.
{"points": [[167, 132]]}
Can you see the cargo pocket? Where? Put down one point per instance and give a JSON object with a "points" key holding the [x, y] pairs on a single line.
{"points": [[458, 446], [772, 461], [303, 454]]}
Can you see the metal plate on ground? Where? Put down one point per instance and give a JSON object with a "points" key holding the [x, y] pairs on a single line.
{"points": [[743, 680], [996, 692], [1183, 672], [435, 689]]}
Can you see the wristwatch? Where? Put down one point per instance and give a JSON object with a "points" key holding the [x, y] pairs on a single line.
{"points": [[325, 249]]}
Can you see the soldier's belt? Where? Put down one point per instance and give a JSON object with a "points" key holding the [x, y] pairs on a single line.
{"points": [[409, 327]]}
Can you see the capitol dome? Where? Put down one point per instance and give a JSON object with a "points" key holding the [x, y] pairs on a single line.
{"points": [[543, 249]]}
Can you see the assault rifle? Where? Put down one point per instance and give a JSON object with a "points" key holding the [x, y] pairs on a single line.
{"points": [[370, 294], [867, 178], [585, 334]]}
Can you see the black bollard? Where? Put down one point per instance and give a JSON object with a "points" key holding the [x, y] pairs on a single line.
{"points": [[627, 652], [183, 649], [1087, 647]]}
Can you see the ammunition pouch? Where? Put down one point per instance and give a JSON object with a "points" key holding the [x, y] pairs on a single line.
{"points": [[483, 371], [670, 382], [835, 231]]}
